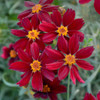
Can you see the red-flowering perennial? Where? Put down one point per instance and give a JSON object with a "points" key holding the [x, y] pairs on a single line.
{"points": [[89, 96], [72, 55], [41, 10], [33, 66], [50, 89], [96, 4], [9, 52], [65, 25], [30, 33]]}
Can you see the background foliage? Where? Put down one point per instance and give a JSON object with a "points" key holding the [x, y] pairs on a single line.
{"points": [[9, 9]]}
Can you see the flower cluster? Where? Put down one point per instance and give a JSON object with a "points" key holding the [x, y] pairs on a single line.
{"points": [[33, 54]]}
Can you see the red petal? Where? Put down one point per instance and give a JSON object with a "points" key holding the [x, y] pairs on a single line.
{"points": [[20, 66], [28, 4], [26, 24], [89, 97], [76, 73], [21, 44], [56, 17], [97, 5], [84, 64], [68, 17], [35, 21], [35, 50], [37, 82], [98, 95], [48, 74], [24, 14], [53, 96], [19, 33], [48, 37], [25, 80], [63, 44], [73, 44], [47, 27], [24, 56], [84, 1], [85, 52], [77, 24], [54, 66], [78, 33], [54, 54], [72, 76], [63, 72], [45, 1], [44, 16]]}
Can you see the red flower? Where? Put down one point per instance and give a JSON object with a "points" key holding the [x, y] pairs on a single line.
{"points": [[66, 26], [91, 97], [32, 66], [41, 10], [30, 33], [50, 89], [9, 52], [96, 4], [72, 56]]}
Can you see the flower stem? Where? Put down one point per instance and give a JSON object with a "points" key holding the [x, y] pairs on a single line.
{"points": [[68, 87]]}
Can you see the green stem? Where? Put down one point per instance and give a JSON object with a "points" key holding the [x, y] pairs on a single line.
{"points": [[68, 87]]}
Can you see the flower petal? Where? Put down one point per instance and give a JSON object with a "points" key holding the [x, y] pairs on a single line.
{"points": [[28, 4], [54, 65], [19, 33], [78, 33], [20, 66], [84, 64], [25, 80], [63, 72], [73, 44], [53, 96], [77, 24], [68, 17], [54, 54], [24, 14], [85, 52], [97, 5], [56, 17], [48, 74], [37, 82], [84, 1], [62, 44], [45, 1], [89, 97], [76, 73], [35, 50], [47, 27], [26, 24], [24, 56], [48, 37], [98, 95]]}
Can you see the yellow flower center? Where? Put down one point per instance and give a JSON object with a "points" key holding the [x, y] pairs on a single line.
{"points": [[70, 59], [33, 34], [62, 30], [35, 66], [46, 89], [13, 54], [36, 8]]}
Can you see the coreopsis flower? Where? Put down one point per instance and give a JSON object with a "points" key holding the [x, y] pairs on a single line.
{"points": [[89, 96], [65, 25], [50, 89], [41, 10], [69, 56], [9, 52], [32, 66], [96, 4], [30, 33]]}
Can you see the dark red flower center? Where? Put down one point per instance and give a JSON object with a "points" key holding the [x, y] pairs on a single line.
{"points": [[70, 59], [36, 8], [13, 54], [46, 89], [35, 66]]}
